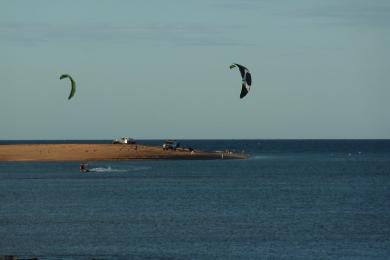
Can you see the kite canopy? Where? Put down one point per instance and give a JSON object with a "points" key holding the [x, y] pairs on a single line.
{"points": [[246, 79], [73, 85]]}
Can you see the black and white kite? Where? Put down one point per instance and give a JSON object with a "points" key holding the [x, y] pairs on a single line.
{"points": [[246, 79]]}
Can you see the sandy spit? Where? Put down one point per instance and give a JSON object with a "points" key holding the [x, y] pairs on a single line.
{"points": [[99, 152]]}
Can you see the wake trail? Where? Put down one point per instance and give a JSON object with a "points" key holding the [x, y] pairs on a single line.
{"points": [[114, 170]]}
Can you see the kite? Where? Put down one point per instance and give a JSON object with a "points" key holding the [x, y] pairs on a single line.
{"points": [[73, 85], [246, 79]]}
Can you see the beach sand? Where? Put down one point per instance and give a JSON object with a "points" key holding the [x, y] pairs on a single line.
{"points": [[98, 152]]}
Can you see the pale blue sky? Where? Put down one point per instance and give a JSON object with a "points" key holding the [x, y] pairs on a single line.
{"points": [[160, 69]]}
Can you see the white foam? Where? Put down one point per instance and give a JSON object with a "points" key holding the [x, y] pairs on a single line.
{"points": [[105, 169], [257, 157], [109, 169]]}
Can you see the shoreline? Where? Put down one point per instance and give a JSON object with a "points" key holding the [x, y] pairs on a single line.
{"points": [[103, 152]]}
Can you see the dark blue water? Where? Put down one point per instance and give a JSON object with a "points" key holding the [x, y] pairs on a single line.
{"points": [[292, 199]]}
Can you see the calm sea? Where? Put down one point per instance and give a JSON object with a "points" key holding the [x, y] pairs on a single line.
{"points": [[293, 199]]}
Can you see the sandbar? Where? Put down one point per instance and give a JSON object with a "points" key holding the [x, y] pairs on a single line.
{"points": [[102, 152]]}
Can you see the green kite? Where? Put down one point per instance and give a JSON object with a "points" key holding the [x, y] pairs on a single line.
{"points": [[73, 85]]}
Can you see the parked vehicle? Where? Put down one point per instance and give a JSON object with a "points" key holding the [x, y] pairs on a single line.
{"points": [[124, 140], [170, 145]]}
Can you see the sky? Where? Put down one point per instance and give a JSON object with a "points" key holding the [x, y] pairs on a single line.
{"points": [[160, 69]]}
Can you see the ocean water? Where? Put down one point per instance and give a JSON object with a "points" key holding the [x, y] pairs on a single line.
{"points": [[293, 199]]}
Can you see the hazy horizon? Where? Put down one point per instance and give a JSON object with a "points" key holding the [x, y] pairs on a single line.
{"points": [[156, 70]]}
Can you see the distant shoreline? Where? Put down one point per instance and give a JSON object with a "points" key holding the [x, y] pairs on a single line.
{"points": [[101, 152]]}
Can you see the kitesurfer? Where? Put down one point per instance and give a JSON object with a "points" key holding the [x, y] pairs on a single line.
{"points": [[83, 168]]}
